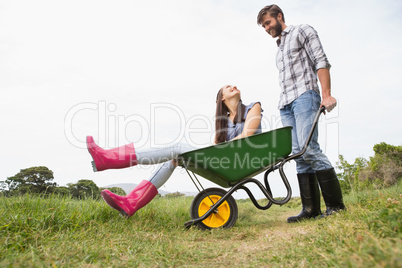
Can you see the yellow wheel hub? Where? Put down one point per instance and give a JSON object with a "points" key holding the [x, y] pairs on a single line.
{"points": [[216, 219]]}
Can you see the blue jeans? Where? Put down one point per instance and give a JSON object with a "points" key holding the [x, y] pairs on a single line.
{"points": [[300, 115]]}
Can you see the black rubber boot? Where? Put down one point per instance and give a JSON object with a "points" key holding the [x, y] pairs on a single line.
{"points": [[331, 191], [310, 197]]}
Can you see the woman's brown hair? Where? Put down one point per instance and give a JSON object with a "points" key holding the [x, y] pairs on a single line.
{"points": [[222, 116]]}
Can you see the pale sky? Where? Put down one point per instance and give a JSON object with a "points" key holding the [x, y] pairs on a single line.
{"points": [[148, 72]]}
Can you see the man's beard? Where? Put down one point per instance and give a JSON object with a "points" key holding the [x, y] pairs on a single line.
{"points": [[278, 29]]}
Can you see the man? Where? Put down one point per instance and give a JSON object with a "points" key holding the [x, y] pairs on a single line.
{"points": [[300, 59]]}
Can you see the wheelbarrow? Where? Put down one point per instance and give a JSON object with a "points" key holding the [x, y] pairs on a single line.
{"points": [[233, 164]]}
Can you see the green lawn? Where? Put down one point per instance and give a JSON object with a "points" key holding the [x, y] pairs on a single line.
{"points": [[61, 232]]}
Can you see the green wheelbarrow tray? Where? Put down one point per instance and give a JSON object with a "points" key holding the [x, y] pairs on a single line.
{"points": [[227, 163], [232, 165]]}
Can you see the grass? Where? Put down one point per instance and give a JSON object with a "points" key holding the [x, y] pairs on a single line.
{"points": [[61, 232]]}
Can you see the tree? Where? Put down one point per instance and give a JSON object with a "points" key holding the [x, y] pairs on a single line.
{"points": [[115, 190], [385, 165], [84, 189], [383, 169], [61, 191], [2, 186], [349, 175], [31, 180], [175, 194]]}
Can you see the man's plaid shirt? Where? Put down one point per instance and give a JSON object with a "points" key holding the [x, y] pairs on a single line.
{"points": [[300, 55]]}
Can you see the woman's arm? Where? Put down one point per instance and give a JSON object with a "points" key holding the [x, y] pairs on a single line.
{"points": [[252, 122]]}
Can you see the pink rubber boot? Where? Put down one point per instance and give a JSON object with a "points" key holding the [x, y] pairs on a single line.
{"points": [[120, 157], [136, 199]]}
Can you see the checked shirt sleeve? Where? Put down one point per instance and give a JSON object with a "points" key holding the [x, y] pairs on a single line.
{"points": [[312, 44]]}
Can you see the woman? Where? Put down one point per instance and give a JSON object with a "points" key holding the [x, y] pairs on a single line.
{"points": [[233, 121]]}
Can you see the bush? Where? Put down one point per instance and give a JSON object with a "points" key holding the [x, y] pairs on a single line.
{"points": [[61, 191], [172, 195], [385, 166], [84, 189], [383, 169], [115, 190]]}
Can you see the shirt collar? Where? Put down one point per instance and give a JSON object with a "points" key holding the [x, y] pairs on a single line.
{"points": [[283, 33]]}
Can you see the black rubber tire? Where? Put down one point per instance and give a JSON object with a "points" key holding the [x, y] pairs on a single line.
{"points": [[229, 206]]}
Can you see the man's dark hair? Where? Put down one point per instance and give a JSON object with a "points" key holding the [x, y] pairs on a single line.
{"points": [[273, 11]]}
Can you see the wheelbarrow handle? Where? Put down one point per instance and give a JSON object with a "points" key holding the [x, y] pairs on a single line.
{"points": [[282, 163], [310, 135]]}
